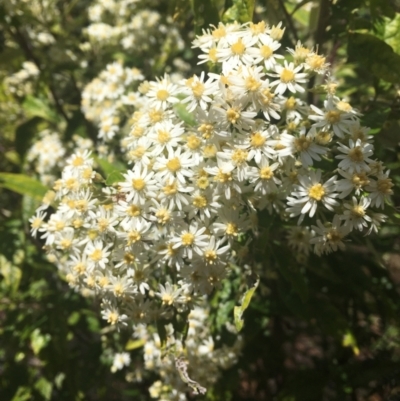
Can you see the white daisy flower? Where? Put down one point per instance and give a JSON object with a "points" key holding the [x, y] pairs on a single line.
{"points": [[381, 189], [289, 78], [310, 193], [355, 215], [329, 237], [356, 156]]}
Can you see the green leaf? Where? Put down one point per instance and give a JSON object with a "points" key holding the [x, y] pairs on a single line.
{"points": [[239, 310], [22, 394], [114, 177], [35, 107], [185, 115], [23, 185], [134, 344], [241, 11], [39, 341], [162, 332], [11, 275], [109, 168], [377, 55], [44, 387]]}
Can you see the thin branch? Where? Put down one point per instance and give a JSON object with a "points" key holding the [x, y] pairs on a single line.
{"points": [[289, 21]]}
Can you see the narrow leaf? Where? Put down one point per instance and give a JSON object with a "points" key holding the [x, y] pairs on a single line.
{"points": [[239, 310], [23, 185]]}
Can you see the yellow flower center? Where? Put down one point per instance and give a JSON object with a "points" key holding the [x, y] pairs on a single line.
{"points": [[102, 224], [129, 258], [252, 84], [212, 55], [138, 152], [358, 211], [193, 142], [170, 189], [137, 131], [231, 229], [163, 216], [80, 268], [344, 106], [197, 89], [167, 299], [323, 137], [276, 33], [138, 184], [266, 52], [219, 32], [291, 103], [187, 239], [267, 96], [385, 186], [223, 177], [207, 130], [77, 223], [257, 28], [302, 143], [279, 146], [37, 222], [209, 151], [113, 317], [200, 201], [87, 173], [333, 236], [65, 243], [174, 165], [202, 183], [233, 115], [78, 161], [210, 256], [316, 192], [360, 180], [287, 76], [238, 48], [96, 255], [257, 140], [59, 225], [301, 53], [266, 173], [118, 289], [155, 115], [356, 154], [162, 95], [133, 210], [315, 61], [133, 237], [163, 136], [333, 116], [239, 156]]}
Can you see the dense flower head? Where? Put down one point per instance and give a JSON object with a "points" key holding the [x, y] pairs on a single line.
{"points": [[207, 153]]}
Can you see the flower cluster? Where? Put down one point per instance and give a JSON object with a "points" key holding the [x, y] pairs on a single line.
{"points": [[21, 82], [207, 153], [110, 97], [130, 24], [47, 154], [203, 358]]}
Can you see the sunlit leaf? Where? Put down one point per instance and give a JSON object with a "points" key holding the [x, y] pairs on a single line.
{"points": [[23, 185], [239, 310]]}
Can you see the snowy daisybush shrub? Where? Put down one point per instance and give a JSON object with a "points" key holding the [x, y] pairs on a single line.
{"points": [[207, 154]]}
